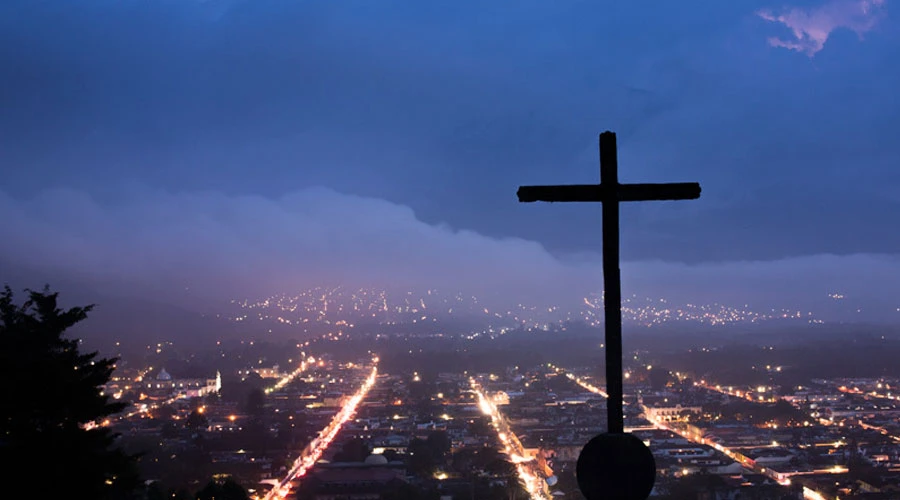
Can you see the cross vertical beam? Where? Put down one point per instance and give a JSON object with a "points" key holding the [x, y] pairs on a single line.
{"points": [[612, 283], [610, 193], [614, 464]]}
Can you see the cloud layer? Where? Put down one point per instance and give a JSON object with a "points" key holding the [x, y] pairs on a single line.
{"points": [[812, 26], [210, 247], [237, 246]]}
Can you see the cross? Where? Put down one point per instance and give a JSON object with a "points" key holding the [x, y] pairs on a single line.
{"points": [[610, 193]]}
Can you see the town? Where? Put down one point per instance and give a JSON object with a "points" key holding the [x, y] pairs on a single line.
{"points": [[333, 419]]}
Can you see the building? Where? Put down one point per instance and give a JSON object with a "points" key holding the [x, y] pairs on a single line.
{"points": [[675, 413], [165, 385]]}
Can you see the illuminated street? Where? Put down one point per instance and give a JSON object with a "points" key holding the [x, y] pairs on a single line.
{"points": [[285, 380], [534, 484], [317, 446]]}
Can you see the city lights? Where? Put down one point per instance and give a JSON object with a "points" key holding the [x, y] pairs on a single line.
{"points": [[314, 450], [534, 485], [291, 376]]}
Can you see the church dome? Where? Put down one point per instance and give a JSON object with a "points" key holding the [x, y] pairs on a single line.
{"points": [[376, 460], [163, 375]]}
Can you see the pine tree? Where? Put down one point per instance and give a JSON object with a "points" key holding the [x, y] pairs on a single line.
{"points": [[227, 490], [50, 393]]}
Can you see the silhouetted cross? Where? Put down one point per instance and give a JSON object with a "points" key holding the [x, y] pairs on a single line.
{"points": [[610, 193]]}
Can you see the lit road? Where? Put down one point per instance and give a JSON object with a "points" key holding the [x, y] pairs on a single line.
{"points": [[147, 408], [534, 484], [658, 423], [313, 451], [580, 381], [142, 410], [285, 380], [695, 435], [880, 430], [885, 395], [737, 393]]}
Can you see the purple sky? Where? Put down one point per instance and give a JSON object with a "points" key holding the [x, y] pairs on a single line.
{"points": [[240, 147]]}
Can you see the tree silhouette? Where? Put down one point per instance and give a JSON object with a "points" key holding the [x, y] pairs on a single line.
{"points": [[255, 402], [398, 489], [420, 459], [659, 377], [439, 444], [196, 420], [227, 490], [237, 390], [354, 450], [51, 392]]}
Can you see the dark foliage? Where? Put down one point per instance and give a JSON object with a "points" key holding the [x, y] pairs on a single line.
{"points": [[50, 391], [420, 461], [238, 391], [439, 444], [226, 490], [255, 402], [156, 492], [400, 490], [781, 412], [425, 456], [354, 450], [659, 378], [196, 420]]}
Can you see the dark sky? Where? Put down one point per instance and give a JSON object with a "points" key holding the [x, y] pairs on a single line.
{"points": [[248, 145]]}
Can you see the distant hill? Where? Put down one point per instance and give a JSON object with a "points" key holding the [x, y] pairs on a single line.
{"points": [[134, 322], [137, 315], [332, 309], [124, 317]]}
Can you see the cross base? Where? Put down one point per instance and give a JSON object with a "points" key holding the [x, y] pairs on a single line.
{"points": [[615, 466]]}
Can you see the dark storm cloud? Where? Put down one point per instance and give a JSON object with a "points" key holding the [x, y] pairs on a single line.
{"points": [[235, 246], [202, 249]]}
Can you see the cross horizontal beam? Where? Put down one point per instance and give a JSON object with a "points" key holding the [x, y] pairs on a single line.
{"points": [[599, 192]]}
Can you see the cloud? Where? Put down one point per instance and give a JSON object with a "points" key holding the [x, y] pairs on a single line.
{"points": [[812, 27], [223, 247], [210, 247]]}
